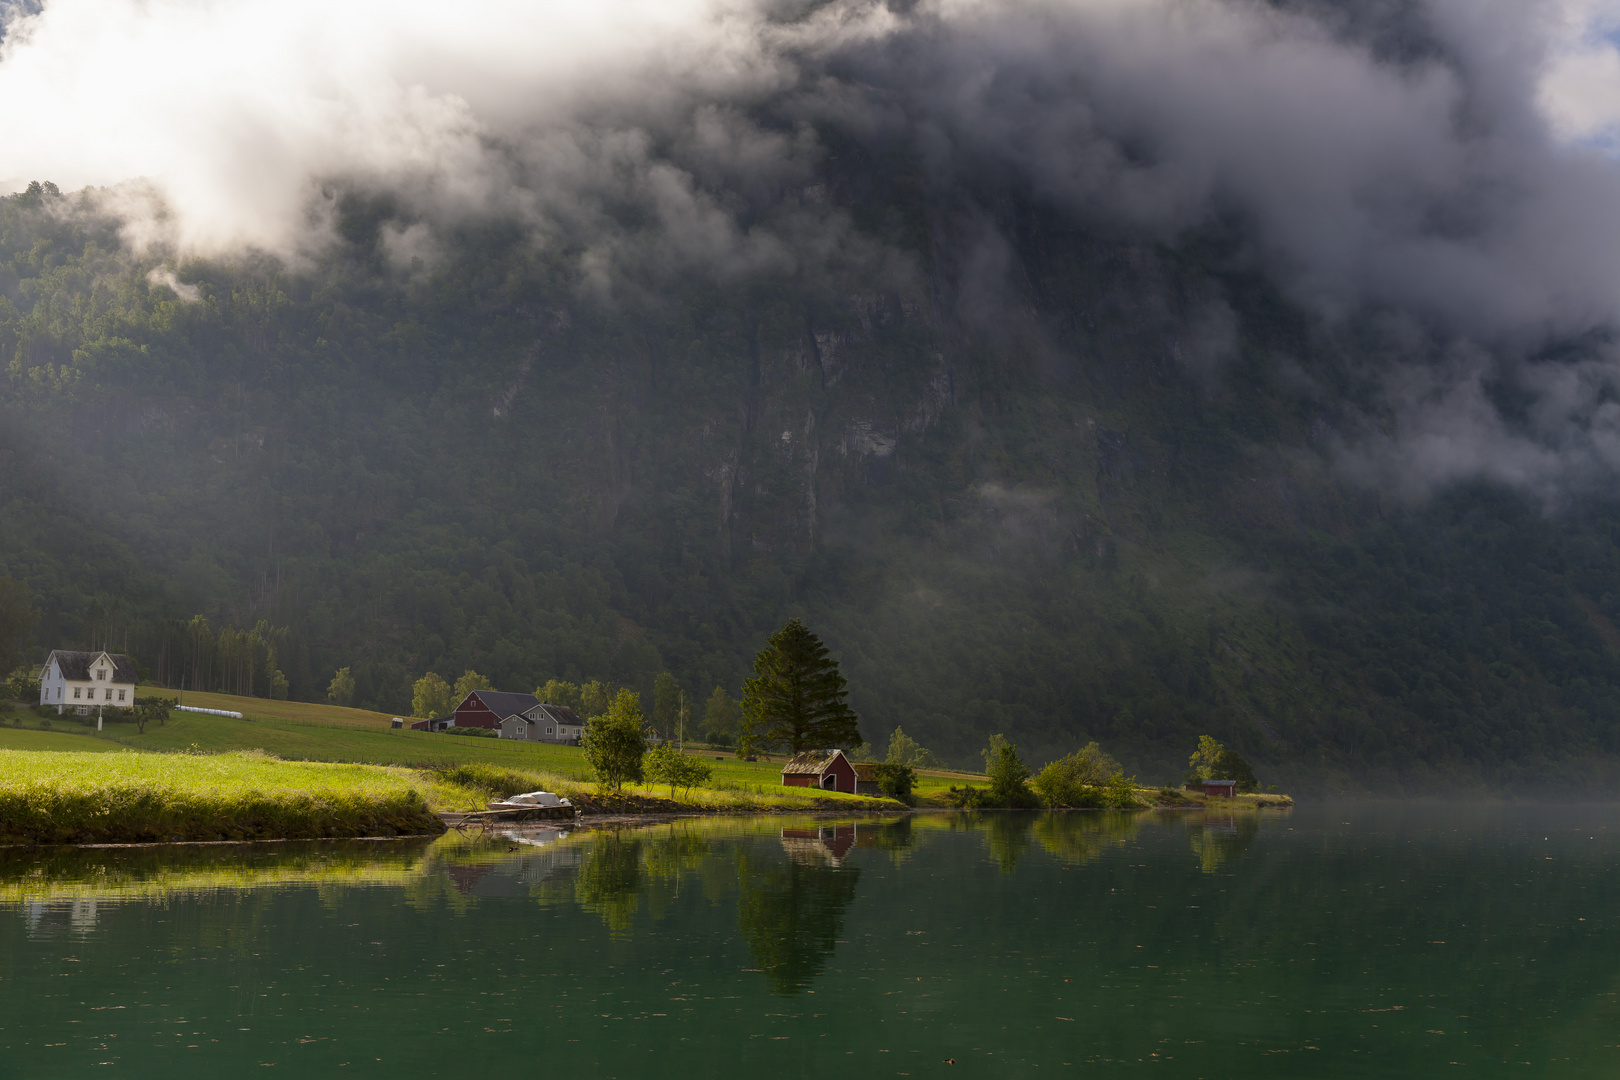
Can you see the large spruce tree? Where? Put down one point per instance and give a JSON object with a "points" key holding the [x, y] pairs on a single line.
{"points": [[796, 697]]}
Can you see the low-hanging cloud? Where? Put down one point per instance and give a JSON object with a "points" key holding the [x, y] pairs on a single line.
{"points": [[1446, 160]]}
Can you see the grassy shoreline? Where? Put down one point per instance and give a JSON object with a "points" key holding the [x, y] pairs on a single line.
{"points": [[57, 797], [397, 781]]}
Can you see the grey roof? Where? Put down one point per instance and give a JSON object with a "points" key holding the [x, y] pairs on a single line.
{"points": [[76, 665], [809, 762], [563, 714], [504, 704]]}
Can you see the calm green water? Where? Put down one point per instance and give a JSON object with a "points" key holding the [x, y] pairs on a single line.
{"points": [[1341, 941]]}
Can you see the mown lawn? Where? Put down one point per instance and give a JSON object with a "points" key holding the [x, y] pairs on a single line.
{"points": [[12, 738], [266, 709]]}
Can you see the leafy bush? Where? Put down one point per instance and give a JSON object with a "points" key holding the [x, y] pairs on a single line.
{"points": [[968, 797], [1073, 780], [667, 765], [896, 780], [21, 686], [475, 732], [1119, 793]]}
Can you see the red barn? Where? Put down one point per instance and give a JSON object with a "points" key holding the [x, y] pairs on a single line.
{"points": [[828, 770], [1223, 789], [487, 708]]}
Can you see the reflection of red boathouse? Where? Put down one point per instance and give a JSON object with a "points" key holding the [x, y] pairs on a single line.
{"points": [[819, 846]]}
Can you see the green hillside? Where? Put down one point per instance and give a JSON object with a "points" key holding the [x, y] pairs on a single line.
{"points": [[1033, 510]]}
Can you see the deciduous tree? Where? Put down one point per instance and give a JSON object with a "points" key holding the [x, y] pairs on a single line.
{"points": [[1009, 777], [1076, 780], [148, 709], [431, 696], [904, 750], [615, 743], [341, 689], [558, 692], [797, 696], [594, 699], [469, 681], [1213, 761]]}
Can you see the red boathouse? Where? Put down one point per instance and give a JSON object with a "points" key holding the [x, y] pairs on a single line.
{"points": [[828, 770]]}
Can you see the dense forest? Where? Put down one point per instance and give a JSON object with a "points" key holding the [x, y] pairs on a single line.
{"points": [[1024, 475]]}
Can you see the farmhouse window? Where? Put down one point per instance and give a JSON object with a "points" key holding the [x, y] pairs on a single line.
{"points": [[109, 693], [101, 674], [120, 695], [75, 692]]}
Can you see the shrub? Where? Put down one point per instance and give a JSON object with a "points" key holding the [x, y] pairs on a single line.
{"points": [[968, 797], [667, 765], [896, 780], [1119, 793], [21, 686], [475, 732]]}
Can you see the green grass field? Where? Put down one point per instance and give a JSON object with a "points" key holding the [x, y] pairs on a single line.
{"points": [[304, 732], [301, 731], [68, 797]]}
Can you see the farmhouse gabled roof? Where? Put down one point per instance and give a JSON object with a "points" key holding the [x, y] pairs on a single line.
{"points": [[76, 665], [810, 762], [562, 714], [504, 704]]}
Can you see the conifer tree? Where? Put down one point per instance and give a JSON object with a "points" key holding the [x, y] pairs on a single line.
{"points": [[797, 696]]}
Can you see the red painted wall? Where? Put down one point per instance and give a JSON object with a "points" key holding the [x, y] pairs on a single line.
{"points": [[471, 713], [844, 773], [798, 781]]}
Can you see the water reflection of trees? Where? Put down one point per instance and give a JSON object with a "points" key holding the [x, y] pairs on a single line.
{"points": [[609, 880], [792, 894], [1007, 835], [1216, 838], [791, 913], [1073, 836], [1080, 837]]}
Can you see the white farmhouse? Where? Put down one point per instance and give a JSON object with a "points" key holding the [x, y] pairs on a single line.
{"points": [[83, 680]]}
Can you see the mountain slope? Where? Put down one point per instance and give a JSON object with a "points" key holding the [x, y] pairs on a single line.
{"points": [[1025, 476]]}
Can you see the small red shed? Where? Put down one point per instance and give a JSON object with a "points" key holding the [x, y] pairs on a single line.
{"points": [[828, 770], [1224, 789]]}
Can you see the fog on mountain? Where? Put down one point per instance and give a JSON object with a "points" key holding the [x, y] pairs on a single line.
{"points": [[1100, 370]]}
